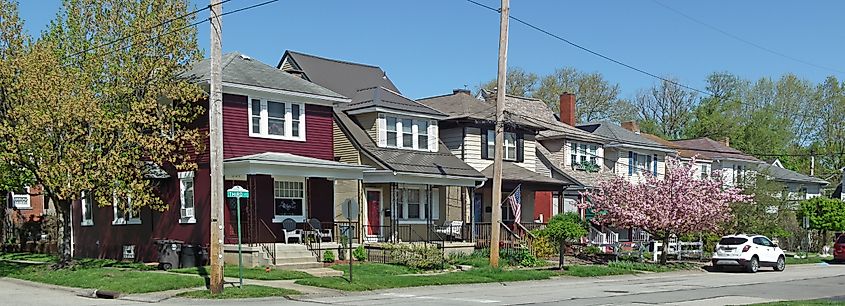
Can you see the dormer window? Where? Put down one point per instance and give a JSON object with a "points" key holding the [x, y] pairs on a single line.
{"points": [[276, 119], [407, 133]]}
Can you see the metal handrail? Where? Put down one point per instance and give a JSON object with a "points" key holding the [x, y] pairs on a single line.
{"points": [[528, 232], [265, 247]]}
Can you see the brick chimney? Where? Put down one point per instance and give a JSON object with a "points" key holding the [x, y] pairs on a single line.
{"points": [[727, 141], [567, 108], [631, 126], [459, 91]]}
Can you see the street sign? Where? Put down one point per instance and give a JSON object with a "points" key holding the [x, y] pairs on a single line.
{"points": [[350, 208], [237, 192]]}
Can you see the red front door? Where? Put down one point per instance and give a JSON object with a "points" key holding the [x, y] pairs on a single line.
{"points": [[374, 212]]}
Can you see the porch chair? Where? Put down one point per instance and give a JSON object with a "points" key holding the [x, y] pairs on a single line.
{"points": [[290, 231], [451, 229], [318, 231]]}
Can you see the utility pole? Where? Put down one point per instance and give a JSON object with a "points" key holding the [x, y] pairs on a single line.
{"points": [[498, 151], [215, 134], [812, 163]]}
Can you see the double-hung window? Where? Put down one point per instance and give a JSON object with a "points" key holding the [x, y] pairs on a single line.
{"points": [[407, 133], [581, 153], [705, 172], [510, 145], [87, 209], [186, 197], [413, 203], [289, 200], [21, 199], [124, 213], [276, 119]]}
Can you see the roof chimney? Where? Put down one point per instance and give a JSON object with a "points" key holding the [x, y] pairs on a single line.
{"points": [[727, 141], [631, 126], [461, 90], [567, 108]]}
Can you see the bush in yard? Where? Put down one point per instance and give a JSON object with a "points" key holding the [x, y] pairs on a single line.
{"points": [[562, 229], [520, 257], [592, 250], [416, 256], [328, 256], [544, 247], [359, 253]]}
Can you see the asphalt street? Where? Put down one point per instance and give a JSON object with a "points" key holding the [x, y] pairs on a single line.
{"points": [[677, 288]]}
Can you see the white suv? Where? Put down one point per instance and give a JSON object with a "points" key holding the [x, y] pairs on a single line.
{"points": [[748, 251]]}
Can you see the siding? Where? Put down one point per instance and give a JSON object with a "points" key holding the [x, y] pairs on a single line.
{"points": [[454, 140], [620, 164], [237, 142], [472, 149], [344, 151], [368, 123]]}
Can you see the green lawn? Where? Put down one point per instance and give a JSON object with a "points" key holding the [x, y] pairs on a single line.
{"points": [[809, 260], [371, 276], [806, 302], [249, 273], [96, 274], [27, 257], [248, 291], [652, 267]]}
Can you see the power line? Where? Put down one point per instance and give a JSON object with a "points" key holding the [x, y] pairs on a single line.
{"points": [[704, 92], [748, 42]]}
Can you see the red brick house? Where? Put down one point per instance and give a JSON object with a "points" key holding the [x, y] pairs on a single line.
{"points": [[277, 143]]}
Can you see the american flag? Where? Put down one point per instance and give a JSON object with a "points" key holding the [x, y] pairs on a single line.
{"points": [[514, 200]]}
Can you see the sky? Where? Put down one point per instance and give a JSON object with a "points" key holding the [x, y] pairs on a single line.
{"points": [[429, 47]]}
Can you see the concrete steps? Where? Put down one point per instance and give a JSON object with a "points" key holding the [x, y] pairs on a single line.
{"points": [[294, 257]]}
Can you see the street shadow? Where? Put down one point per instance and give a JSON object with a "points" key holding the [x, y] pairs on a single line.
{"points": [[202, 271], [732, 269]]}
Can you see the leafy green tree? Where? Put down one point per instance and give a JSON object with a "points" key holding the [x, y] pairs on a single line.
{"points": [[562, 229], [519, 82], [825, 214], [771, 214], [595, 97], [97, 95]]}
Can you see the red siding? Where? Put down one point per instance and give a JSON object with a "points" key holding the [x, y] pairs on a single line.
{"points": [[237, 142]]}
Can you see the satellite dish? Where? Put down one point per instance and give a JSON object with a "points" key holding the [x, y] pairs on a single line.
{"points": [[350, 208]]}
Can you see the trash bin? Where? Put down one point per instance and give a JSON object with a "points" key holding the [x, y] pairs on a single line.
{"points": [[168, 253], [202, 256], [188, 257]]}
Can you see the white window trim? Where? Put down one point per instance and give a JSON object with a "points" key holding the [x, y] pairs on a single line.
{"points": [[491, 145], [263, 125], [431, 133], [424, 196], [84, 202], [593, 156], [22, 196], [122, 220], [298, 218], [187, 219]]}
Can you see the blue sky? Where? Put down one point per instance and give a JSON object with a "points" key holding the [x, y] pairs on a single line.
{"points": [[430, 47]]}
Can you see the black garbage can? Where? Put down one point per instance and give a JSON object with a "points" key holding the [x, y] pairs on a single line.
{"points": [[188, 257], [202, 256], [168, 253]]}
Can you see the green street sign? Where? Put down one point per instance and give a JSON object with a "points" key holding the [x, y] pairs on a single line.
{"points": [[237, 192]]}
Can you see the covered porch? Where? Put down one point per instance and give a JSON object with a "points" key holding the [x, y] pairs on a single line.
{"points": [[287, 190]]}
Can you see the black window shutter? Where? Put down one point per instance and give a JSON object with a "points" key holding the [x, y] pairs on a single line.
{"points": [[520, 147], [484, 153]]}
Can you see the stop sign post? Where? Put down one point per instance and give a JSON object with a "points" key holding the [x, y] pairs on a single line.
{"points": [[239, 192]]}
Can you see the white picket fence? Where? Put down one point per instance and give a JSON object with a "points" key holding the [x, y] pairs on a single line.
{"points": [[681, 249]]}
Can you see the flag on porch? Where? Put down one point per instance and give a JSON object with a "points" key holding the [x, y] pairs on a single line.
{"points": [[514, 200]]}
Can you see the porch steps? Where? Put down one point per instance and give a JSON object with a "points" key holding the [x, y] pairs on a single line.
{"points": [[295, 257]]}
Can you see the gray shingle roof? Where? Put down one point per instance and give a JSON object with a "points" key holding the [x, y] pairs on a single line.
{"points": [[342, 77], [786, 175], [618, 135], [243, 70], [713, 150], [441, 162], [386, 98], [513, 172], [461, 105], [538, 111]]}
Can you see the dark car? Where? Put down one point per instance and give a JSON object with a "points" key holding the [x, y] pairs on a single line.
{"points": [[839, 249]]}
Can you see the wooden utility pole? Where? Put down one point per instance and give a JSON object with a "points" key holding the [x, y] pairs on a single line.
{"points": [[215, 133], [500, 137]]}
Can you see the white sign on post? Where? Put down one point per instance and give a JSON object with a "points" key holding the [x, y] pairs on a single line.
{"points": [[350, 208]]}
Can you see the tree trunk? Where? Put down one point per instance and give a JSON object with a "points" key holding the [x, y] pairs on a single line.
{"points": [[664, 255], [63, 213], [560, 261]]}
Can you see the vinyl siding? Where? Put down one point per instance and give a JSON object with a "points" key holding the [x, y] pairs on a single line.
{"points": [[453, 139], [472, 150], [368, 123], [344, 151]]}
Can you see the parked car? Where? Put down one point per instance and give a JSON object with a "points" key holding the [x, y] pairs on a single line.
{"points": [[839, 249], [749, 252]]}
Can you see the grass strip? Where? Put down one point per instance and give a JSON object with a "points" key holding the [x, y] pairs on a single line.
{"points": [[249, 273], [248, 291]]}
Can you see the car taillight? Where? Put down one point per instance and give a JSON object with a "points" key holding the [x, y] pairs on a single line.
{"points": [[746, 248]]}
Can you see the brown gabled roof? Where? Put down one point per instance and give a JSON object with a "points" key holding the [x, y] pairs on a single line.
{"points": [[707, 148]]}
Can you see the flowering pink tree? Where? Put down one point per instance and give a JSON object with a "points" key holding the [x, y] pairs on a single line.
{"points": [[679, 203]]}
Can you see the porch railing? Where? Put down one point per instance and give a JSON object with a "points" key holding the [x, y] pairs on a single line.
{"points": [[269, 248]]}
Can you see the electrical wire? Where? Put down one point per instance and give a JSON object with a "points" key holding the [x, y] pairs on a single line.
{"points": [[571, 43]]}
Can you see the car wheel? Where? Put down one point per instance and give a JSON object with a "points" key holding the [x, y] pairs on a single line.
{"points": [[753, 265], [781, 264]]}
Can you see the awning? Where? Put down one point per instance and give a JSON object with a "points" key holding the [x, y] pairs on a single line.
{"points": [[286, 164]]}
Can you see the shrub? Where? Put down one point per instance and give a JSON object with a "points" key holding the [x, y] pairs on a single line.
{"points": [[544, 247], [520, 257], [592, 250], [328, 256], [648, 256], [420, 257], [359, 253]]}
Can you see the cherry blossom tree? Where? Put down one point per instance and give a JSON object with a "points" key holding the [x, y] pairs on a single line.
{"points": [[679, 203]]}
